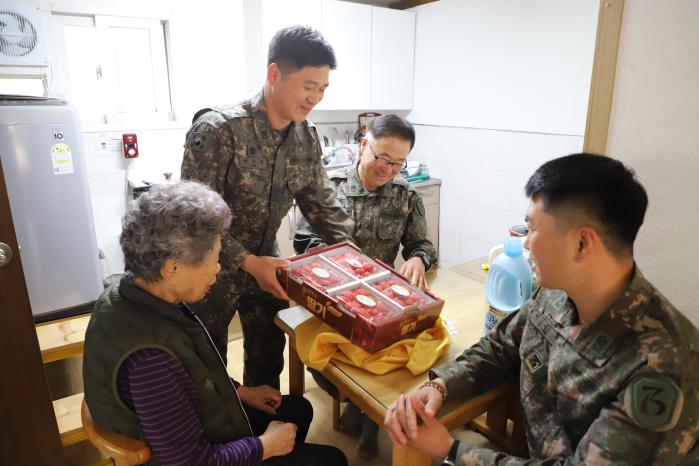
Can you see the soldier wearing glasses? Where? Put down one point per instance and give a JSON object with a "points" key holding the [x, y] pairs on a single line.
{"points": [[387, 213]]}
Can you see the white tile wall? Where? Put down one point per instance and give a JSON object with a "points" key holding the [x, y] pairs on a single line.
{"points": [[160, 151], [483, 175]]}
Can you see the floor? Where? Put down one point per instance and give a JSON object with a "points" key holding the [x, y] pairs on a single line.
{"points": [[321, 429]]}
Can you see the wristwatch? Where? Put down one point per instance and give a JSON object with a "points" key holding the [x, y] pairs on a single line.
{"points": [[425, 259], [450, 459]]}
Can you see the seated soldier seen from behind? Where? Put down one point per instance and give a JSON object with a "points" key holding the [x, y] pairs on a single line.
{"points": [[386, 214], [150, 368], [607, 367]]}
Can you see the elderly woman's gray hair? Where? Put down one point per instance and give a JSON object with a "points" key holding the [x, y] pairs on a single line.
{"points": [[178, 221]]}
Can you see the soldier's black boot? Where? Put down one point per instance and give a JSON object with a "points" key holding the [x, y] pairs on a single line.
{"points": [[351, 419], [368, 446]]}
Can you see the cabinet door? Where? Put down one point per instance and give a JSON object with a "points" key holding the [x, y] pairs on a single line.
{"points": [[347, 26], [263, 18], [432, 219], [430, 198], [392, 58]]}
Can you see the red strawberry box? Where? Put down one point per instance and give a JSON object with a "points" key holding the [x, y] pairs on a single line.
{"points": [[368, 308], [318, 272], [400, 291], [353, 262], [360, 300]]}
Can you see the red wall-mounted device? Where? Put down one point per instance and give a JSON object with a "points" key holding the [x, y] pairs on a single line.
{"points": [[130, 145]]}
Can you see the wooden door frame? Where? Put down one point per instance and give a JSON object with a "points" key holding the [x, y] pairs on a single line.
{"points": [[28, 424], [599, 106]]}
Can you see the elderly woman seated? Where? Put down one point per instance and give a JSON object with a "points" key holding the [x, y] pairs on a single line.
{"points": [[150, 368]]}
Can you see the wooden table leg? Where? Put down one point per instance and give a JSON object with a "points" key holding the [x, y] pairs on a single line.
{"points": [[296, 375], [408, 456]]}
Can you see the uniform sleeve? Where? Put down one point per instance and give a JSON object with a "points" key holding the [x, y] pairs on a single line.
{"points": [[487, 364], [614, 437], [414, 239], [161, 393], [207, 159], [321, 209]]}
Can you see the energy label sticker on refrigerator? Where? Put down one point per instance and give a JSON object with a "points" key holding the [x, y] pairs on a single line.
{"points": [[62, 159]]}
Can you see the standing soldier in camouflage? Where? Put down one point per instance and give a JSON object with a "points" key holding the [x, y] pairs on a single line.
{"points": [[387, 213], [260, 155], [607, 366]]}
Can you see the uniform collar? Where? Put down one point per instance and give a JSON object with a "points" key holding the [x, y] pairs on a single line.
{"points": [[356, 188], [263, 127], [598, 341], [132, 292]]}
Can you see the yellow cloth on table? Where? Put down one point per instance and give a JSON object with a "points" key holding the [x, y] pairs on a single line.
{"points": [[317, 343]]}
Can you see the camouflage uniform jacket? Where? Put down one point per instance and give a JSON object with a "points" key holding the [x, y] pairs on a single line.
{"points": [[621, 390], [235, 151], [384, 219]]}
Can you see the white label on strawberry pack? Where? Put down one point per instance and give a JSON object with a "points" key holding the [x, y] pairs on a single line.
{"points": [[354, 263], [322, 273], [366, 300], [400, 290]]}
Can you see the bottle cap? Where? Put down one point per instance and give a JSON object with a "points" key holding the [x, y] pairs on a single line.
{"points": [[513, 246]]}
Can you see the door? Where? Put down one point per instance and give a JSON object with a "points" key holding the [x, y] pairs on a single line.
{"points": [[27, 421]]}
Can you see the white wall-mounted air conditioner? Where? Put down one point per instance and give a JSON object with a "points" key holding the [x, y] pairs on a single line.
{"points": [[22, 41]]}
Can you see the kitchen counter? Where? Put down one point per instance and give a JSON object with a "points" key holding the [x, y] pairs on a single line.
{"points": [[425, 183]]}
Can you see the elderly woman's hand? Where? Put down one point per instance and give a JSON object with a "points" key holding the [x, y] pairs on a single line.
{"points": [[263, 398], [278, 439], [264, 269], [414, 270]]}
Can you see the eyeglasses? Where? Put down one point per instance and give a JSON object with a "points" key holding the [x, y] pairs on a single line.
{"points": [[388, 163]]}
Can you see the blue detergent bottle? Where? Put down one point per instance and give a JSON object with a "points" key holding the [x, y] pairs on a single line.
{"points": [[509, 283]]}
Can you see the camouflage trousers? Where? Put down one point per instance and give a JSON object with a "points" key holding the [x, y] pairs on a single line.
{"points": [[263, 342]]}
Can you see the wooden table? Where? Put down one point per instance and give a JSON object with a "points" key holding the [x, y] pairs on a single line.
{"points": [[463, 290]]}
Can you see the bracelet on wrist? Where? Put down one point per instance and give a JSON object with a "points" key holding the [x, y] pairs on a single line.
{"points": [[440, 388]]}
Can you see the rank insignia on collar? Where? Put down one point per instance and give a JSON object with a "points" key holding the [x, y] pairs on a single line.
{"points": [[601, 344], [534, 362]]}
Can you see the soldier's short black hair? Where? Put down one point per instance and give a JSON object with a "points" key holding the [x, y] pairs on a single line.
{"points": [[392, 125], [600, 188], [296, 47]]}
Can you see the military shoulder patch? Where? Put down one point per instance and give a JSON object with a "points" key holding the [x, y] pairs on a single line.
{"points": [[199, 142], [654, 402]]}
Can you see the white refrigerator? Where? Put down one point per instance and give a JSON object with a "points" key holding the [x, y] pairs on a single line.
{"points": [[41, 148]]}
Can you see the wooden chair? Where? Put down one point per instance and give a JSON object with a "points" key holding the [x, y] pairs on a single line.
{"points": [[125, 451]]}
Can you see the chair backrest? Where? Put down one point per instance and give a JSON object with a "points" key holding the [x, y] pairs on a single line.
{"points": [[125, 451]]}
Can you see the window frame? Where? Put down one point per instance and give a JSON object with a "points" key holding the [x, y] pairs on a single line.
{"points": [[158, 27]]}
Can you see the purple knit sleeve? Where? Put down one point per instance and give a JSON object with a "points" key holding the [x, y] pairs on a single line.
{"points": [[156, 386]]}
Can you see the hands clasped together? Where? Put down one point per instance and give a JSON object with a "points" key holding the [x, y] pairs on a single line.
{"points": [[411, 421]]}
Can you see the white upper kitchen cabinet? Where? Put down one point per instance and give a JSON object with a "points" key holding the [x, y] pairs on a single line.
{"points": [[263, 18], [392, 58], [374, 48], [347, 26]]}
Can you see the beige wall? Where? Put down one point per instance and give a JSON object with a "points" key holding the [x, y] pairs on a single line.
{"points": [[654, 128]]}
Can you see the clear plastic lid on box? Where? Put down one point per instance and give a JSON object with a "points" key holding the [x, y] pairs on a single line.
{"points": [[359, 299], [353, 261], [318, 272], [400, 291]]}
